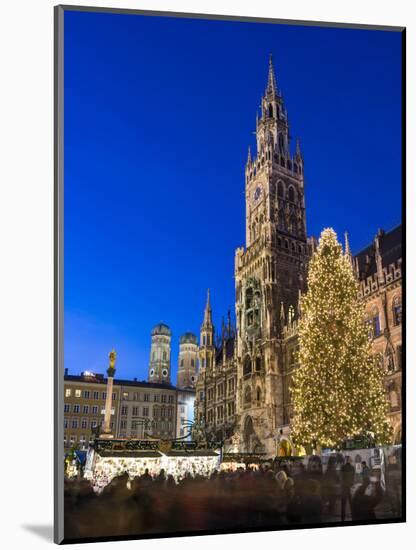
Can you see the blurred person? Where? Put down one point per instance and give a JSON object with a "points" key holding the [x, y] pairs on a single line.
{"points": [[347, 481]]}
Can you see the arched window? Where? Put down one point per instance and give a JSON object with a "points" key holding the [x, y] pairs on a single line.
{"points": [[295, 167], [182, 362], [375, 321], [258, 364], [164, 356], [247, 365], [286, 243], [397, 311], [292, 224], [280, 189], [277, 111], [292, 194], [204, 340], [247, 395], [249, 298], [281, 219], [192, 363], [258, 394], [270, 111]]}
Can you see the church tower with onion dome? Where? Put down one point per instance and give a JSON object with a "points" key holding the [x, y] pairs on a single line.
{"points": [[159, 364], [188, 357]]}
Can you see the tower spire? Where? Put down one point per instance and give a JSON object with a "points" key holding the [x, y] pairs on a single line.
{"points": [[347, 244], [271, 80], [208, 311], [298, 153], [282, 314]]}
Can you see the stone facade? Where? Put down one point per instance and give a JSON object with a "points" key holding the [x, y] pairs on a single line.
{"points": [[139, 409], [243, 381]]}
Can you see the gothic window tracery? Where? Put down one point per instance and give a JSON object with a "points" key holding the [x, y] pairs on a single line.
{"points": [[247, 365], [258, 364], [373, 323]]}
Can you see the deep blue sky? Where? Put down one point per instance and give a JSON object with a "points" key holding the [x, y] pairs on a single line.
{"points": [[159, 113]]}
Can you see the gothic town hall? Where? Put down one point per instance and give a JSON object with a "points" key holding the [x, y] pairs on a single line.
{"points": [[242, 387]]}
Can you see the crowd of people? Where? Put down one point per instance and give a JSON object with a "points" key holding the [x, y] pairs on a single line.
{"points": [[272, 495]]}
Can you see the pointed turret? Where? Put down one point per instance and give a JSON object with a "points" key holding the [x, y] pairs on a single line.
{"points": [[249, 155], [298, 153], [208, 311], [271, 80], [299, 304], [282, 314], [347, 250], [379, 260], [206, 344]]}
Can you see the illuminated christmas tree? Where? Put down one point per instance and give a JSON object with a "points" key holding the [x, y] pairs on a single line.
{"points": [[337, 390]]}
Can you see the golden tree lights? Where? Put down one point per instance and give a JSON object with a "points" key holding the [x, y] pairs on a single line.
{"points": [[337, 391]]}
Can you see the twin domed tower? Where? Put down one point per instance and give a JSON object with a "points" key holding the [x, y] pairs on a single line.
{"points": [[160, 357]]}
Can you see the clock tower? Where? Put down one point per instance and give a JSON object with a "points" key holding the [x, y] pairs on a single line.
{"points": [[270, 271]]}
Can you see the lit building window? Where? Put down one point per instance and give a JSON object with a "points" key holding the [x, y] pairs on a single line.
{"points": [[397, 311], [68, 392], [77, 393]]}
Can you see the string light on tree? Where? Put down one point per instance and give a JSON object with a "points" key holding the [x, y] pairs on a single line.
{"points": [[337, 390]]}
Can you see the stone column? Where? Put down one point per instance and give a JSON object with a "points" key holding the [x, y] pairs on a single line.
{"points": [[106, 431]]}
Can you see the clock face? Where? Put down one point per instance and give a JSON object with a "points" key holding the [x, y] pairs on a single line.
{"points": [[257, 193]]}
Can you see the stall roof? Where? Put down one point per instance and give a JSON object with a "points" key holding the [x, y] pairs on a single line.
{"points": [[131, 454]]}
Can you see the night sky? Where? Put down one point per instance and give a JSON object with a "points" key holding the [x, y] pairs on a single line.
{"points": [[159, 113]]}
